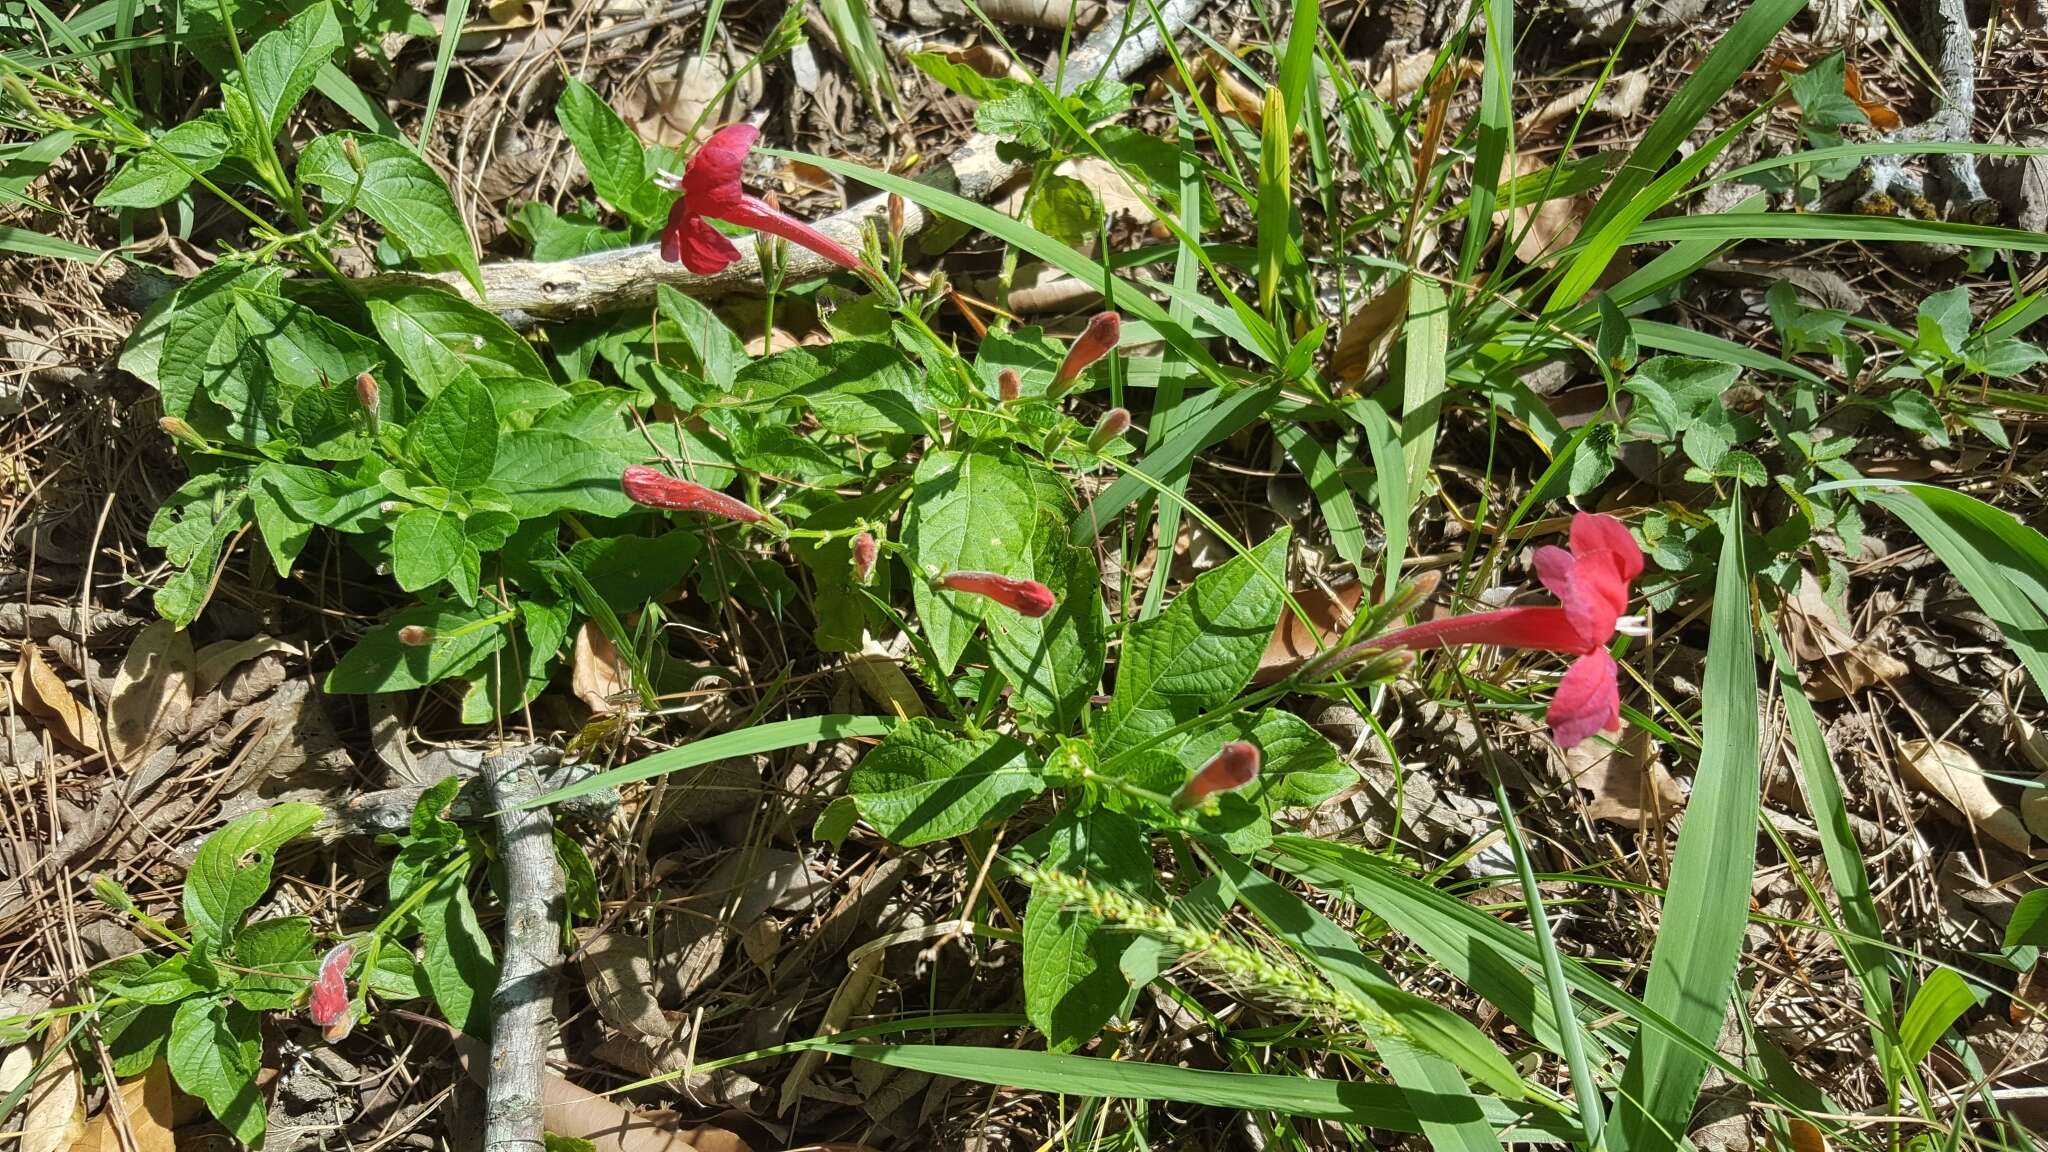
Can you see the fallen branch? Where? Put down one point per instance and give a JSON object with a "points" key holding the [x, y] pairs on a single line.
{"points": [[522, 1007], [525, 291], [1947, 35]]}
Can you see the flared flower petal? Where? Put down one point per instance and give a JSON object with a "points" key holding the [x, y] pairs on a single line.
{"points": [[1588, 699], [691, 241]]}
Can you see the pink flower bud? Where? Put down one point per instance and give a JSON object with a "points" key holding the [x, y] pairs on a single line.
{"points": [[1235, 765], [366, 394], [660, 490], [1095, 343], [328, 1005], [895, 215], [415, 635], [1008, 386], [864, 552], [1113, 424], [1027, 597]]}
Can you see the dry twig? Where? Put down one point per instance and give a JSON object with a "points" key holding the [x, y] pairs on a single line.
{"points": [[522, 1007]]}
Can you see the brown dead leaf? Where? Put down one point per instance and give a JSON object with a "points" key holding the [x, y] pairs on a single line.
{"points": [[54, 1116], [1054, 14], [1111, 190], [146, 1104], [855, 995], [39, 689], [1329, 612], [878, 669], [596, 673], [581, 1114], [1370, 332], [152, 691], [1804, 1136], [1621, 98], [1410, 71], [1816, 635], [1545, 226], [988, 60], [674, 101], [1627, 780], [221, 657], [619, 972], [1950, 773], [762, 942]]}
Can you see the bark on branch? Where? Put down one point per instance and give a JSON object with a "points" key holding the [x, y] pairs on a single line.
{"points": [[522, 1007], [526, 291], [1948, 37]]}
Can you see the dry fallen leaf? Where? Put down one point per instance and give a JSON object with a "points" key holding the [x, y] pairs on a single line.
{"points": [[1846, 665], [988, 60], [1410, 71], [54, 1118], [1804, 1136], [596, 673], [1950, 773], [1329, 612], [152, 691], [44, 694], [619, 973], [147, 1106], [855, 996], [672, 102], [1055, 14], [1621, 98], [878, 669], [1627, 779], [1370, 331], [221, 657], [1543, 227]]}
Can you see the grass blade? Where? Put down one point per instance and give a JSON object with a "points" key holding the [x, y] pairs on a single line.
{"points": [[452, 21], [1692, 969], [745, 742], [1496, 133], [1422, 362]]}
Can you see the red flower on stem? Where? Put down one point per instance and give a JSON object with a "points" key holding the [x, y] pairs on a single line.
{"points": [[865, 550], [328, 1004], [655, 489], [1234, 765], [1093, 344], [1027, 597], [711, 190], [1591, 583]]}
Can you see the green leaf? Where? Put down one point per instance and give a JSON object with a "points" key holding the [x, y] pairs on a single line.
{"points": [[1055, 662], [135, 1034], [1939, 1003], [959, 77], [158, 174], [440, 337], [1198, 653], [1073, 983], [627, 571], [215, 1052], [771, 737], [968, 512], [565, 236], [282, 946], [1021, 117], [456, 434], [854, 387], [542, 472], [380, 662], [457, 958], [232, 869], [1065, 209], [399, 191], [204, 344], [1943, 322], [1677, 388], [720, 355], [1911, 409], [193, 527], [1692, 973], [613, 155], [1819, 90], [279, 68], [2029, 923], [163, 983], [926, 783], [427, 546]]}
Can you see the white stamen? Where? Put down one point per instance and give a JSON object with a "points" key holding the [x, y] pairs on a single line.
{"points": [[668, 180], [1633, 625]]}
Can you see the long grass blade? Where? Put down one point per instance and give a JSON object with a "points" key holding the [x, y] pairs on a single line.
{"points": [[744, 742], [1706, 906]]}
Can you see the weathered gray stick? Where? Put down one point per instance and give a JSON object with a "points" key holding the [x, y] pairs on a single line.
{"points": [[1947, 33], [525, 291], [522, 1007]]}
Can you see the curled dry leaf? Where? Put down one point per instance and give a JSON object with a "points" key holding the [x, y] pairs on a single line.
{"points": [[1950, 773], [855, 996], [1329, 611], [878, 669], [988, 60], [689, 96], [619, 974], [1540, 228], [221, 657], [1412, 71], [1055, 14], [153, 690], [39, 689], [597, 675], [54, 1119], [1627, 780], [1816, 635], [1621, 98], [1370, 331]]}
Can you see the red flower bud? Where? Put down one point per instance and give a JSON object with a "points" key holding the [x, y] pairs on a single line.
{"points": [[328, 1005], [1028, 597], [660, 490], [895, 216], [366, 394], [1008, 386], [1095, 343], [1113, 424], [1235, 765], [415, 635], [864, 552]]}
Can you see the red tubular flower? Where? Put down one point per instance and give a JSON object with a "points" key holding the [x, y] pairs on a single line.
{"points": [[1234, 765], [660, 490], [1009, 385], [1591, 583], [1095, 342], [1027, 597], [711, 190], [328, 1005], [865, 550], [1113, 424]]}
